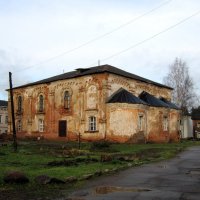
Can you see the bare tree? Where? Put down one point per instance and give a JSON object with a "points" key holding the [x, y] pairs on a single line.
{"points": [[178, 78]]}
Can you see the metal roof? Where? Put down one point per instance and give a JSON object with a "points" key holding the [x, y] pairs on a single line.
{"points": [[123, 96], [152, 101], [95, 70], [170, 104]]}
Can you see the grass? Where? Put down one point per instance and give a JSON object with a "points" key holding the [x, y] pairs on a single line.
{"points": [[33, 157]]}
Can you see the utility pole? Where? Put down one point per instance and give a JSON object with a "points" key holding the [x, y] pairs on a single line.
{"points": [[13, 114]]}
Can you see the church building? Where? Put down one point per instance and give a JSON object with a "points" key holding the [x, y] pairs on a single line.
{"points": [[97, 103]]}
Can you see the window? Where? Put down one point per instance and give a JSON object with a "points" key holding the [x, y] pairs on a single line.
{"points": [[165, 123], [92, 123], [66, 100], [6, 119], [19, 104], [0, 118], [41, 103], [140, 123], [41, 125], [19, 125]]}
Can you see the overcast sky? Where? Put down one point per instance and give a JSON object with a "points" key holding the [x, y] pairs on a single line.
{"points": [[43, 38]]}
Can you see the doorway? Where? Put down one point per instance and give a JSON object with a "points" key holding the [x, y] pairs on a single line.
{"points": [[62, 128]]}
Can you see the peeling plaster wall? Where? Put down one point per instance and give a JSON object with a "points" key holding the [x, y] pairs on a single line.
{"points": [[88, 96], [155, 128], [115, 82], [156, 132], [174, 125], [122, 124]]}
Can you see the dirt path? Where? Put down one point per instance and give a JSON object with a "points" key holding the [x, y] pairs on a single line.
{"points": [[178, 178]]}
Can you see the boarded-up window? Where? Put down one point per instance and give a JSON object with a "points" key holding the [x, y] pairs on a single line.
{"points": [[67, 100], [92, 123]]}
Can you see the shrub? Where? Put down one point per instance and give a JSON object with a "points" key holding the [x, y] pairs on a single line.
{"points": [[100, 145]]}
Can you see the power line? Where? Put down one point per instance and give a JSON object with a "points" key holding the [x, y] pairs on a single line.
{"points": [[151, 37], [98, 37]]}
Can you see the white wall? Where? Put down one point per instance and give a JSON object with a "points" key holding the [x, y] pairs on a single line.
{"points": [[186, 127]]}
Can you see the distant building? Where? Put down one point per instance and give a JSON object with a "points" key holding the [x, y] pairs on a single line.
{"points": [[102, 102], [186, 126], [196, 122], [3, 116]]}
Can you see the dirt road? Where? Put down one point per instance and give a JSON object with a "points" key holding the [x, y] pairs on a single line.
{"points": [[178, 178]]}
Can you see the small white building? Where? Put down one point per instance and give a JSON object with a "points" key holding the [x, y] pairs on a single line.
{"points": [[186, 126], [3, 116]]}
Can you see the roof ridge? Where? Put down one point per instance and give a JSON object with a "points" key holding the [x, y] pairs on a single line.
{"points": [[94, 70]]}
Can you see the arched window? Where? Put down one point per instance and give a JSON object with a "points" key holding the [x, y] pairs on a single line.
{"points": [[19, 104], [41, 125], [92, 123], [41, 103], [66, 100]]}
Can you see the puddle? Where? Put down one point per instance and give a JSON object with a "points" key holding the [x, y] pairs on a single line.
{"points": [[195, 172], [162, 166], [111, 189]]}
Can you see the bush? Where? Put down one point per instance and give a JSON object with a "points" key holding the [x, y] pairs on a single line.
{"points": [[100, 145]]}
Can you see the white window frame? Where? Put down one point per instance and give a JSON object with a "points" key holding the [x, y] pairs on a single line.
{"points": [[92, 123], [165, 123], [41, 125], [141, 122]]}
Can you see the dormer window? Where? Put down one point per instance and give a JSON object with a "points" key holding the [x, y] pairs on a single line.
{"points": [[41, 103], [67, 99]]}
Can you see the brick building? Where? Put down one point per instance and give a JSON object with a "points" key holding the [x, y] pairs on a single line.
{"points": [[102, 102], [3, 116]]}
